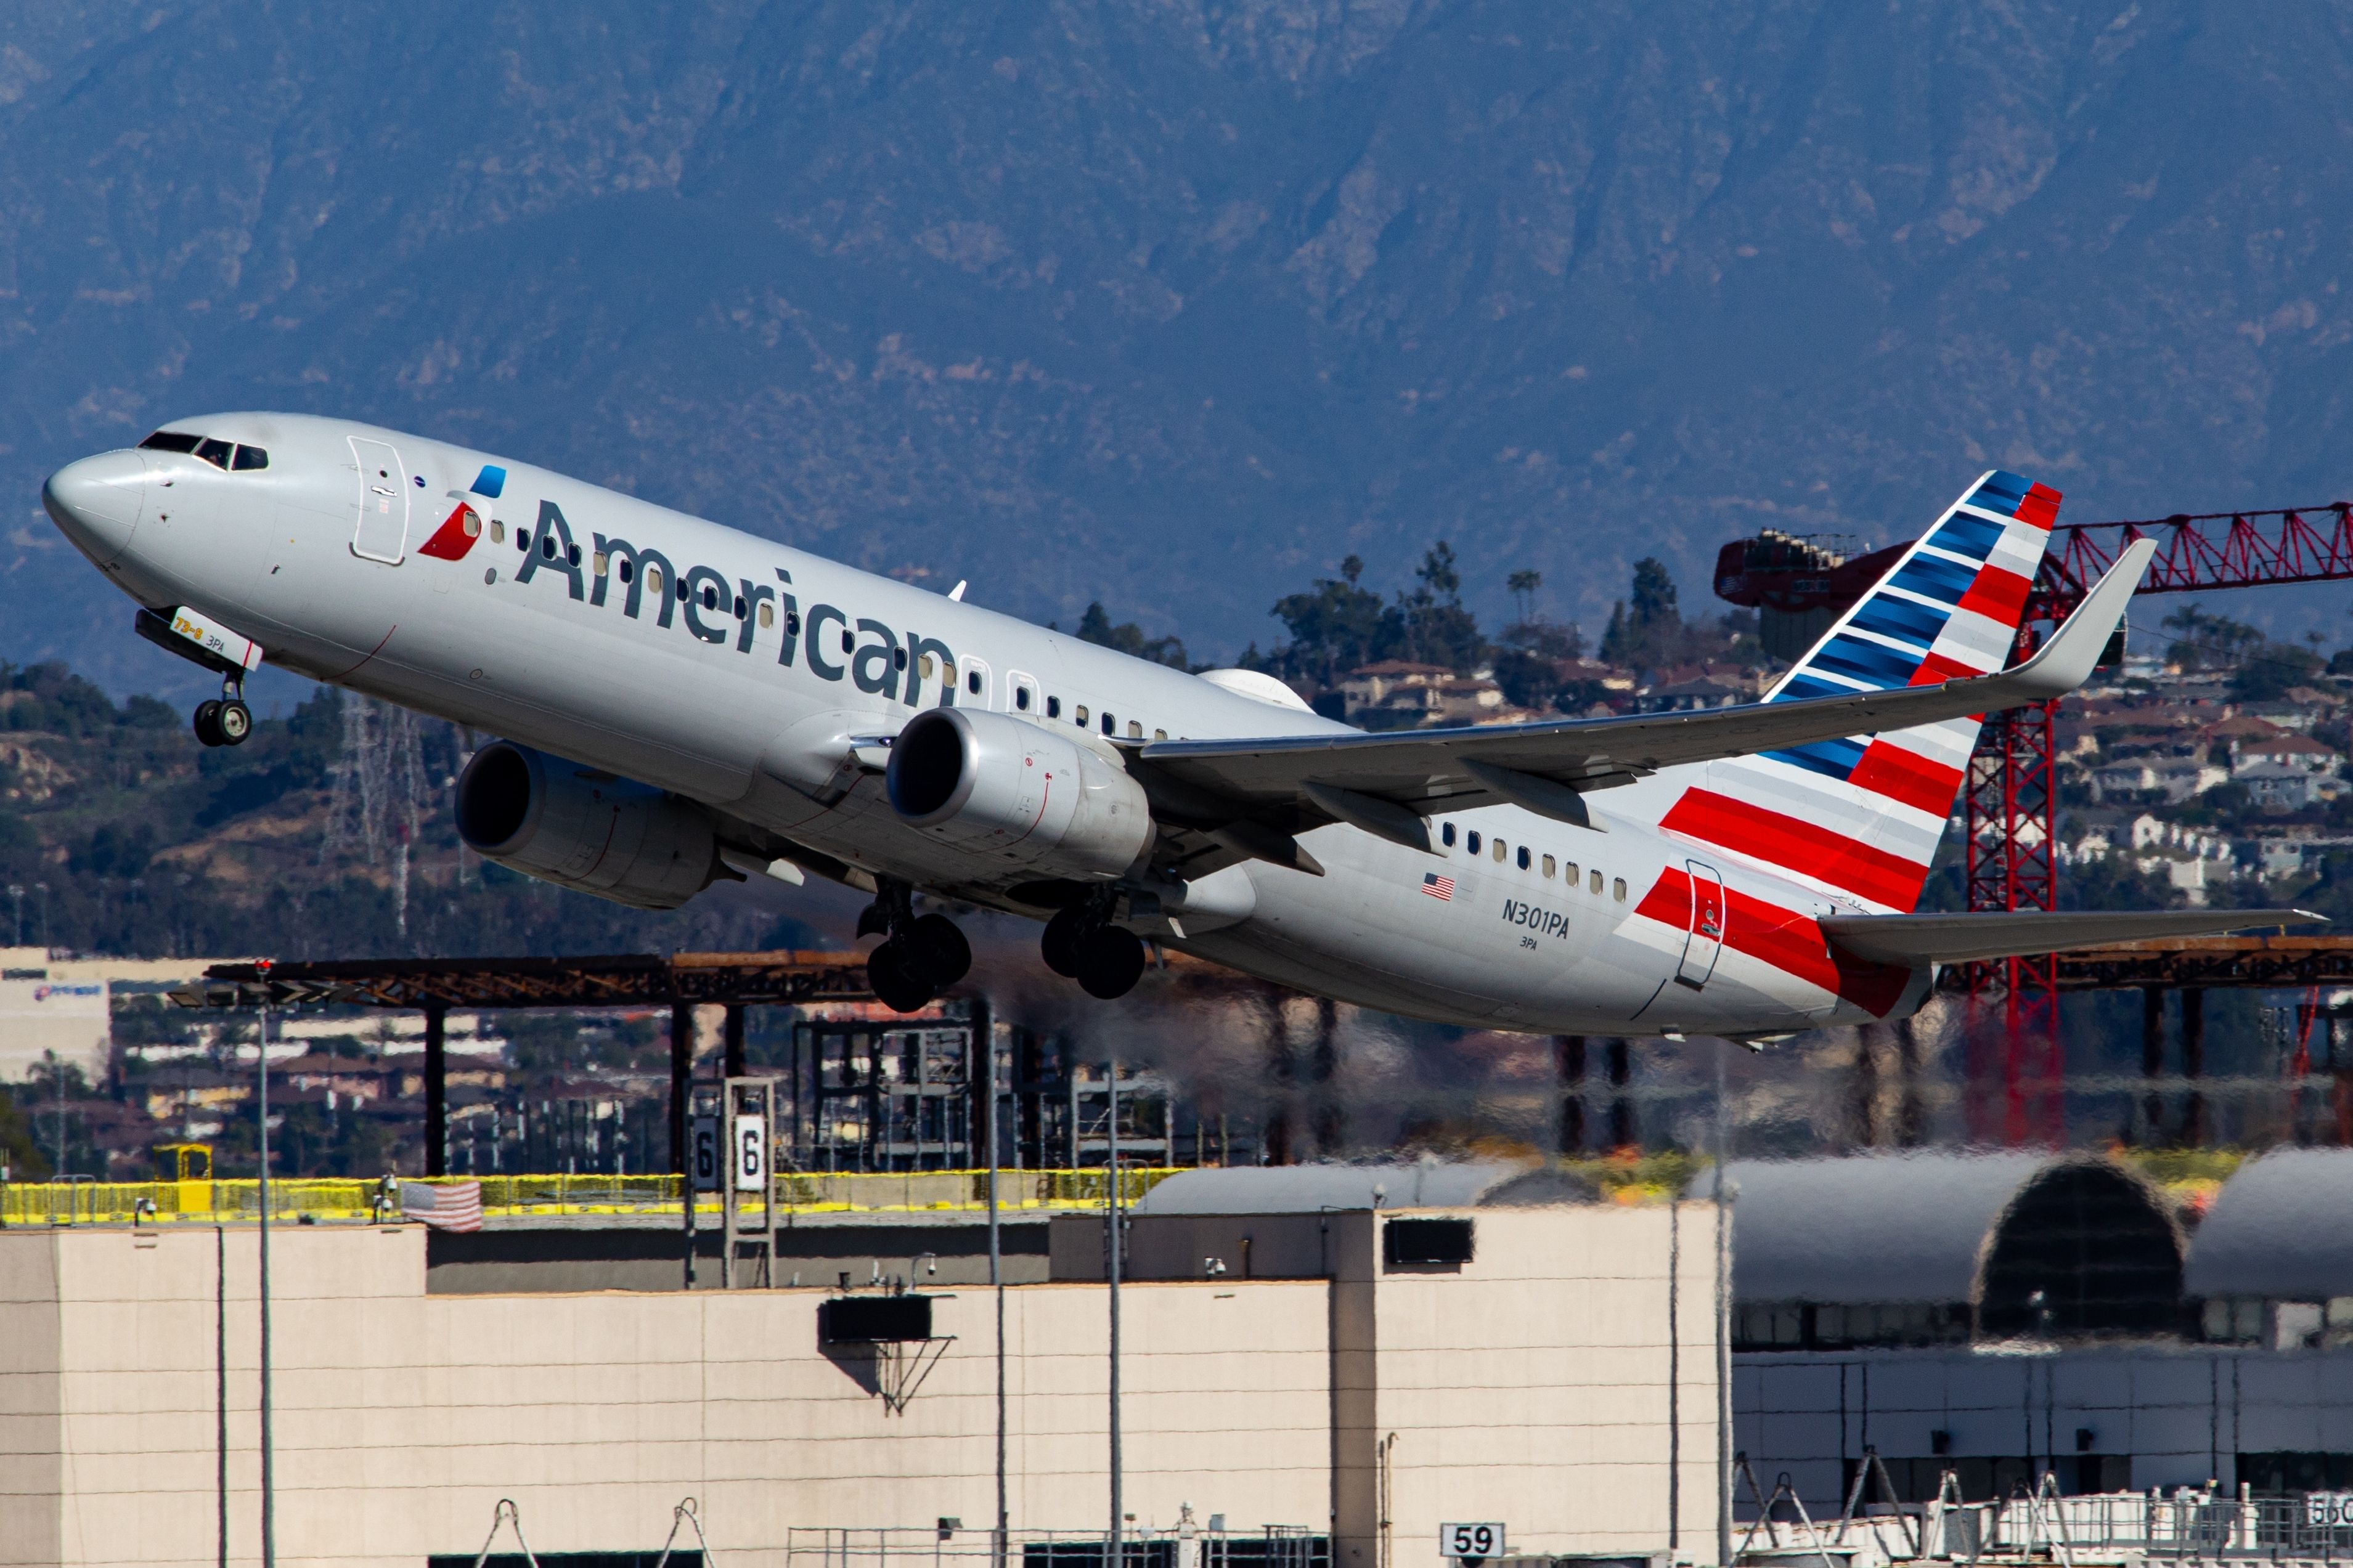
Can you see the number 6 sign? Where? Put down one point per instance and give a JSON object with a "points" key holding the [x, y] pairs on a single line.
{"points": [[1471, 1541], [751, 1154]]}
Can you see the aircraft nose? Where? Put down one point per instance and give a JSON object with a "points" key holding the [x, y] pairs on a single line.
{"points": [[96, 502]]}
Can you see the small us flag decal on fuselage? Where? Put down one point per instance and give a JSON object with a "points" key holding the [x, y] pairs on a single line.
{"points": [[1437, 886]]}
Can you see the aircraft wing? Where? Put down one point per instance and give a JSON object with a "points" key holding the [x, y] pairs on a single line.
{"points": [[1384, 783], [2001, 933]]}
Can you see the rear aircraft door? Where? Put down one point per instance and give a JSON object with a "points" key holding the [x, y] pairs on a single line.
{"points": [[383, 530], [1705, 942]]}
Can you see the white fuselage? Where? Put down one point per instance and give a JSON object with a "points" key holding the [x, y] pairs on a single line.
{"points": [[317, 558]]}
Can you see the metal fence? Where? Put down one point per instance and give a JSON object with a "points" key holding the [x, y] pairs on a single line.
{"points": [[951, 1545], [2187, 1524], [81, 1201]]}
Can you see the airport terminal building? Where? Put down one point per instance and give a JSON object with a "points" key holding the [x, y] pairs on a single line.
{"points": [[1298, 1366]]}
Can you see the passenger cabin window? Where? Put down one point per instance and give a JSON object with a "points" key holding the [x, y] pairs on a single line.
{"points": [[1159, 734], [768, 615], [498, 536], [1597, 883], [1134, 731], [1053, 707], [1021, 697], [1473, 841], [1499, 852], [1081, 718], [971, 684], [1110, 724], [1549, 864], [1446, 835], [1617, 889], [1570, 874], [1524, 856]]}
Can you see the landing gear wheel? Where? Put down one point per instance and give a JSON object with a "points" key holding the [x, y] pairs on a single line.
{"points": [[893, 986], [1111, 961], [1059, 946], [234, 723], [935, 952], [207, 723]]}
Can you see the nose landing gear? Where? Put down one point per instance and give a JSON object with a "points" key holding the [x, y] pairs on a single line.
{"points": [[919, 958], [225, 721]]}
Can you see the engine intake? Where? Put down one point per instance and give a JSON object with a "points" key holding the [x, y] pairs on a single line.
{"points": [[994, 784], [584, 829]]}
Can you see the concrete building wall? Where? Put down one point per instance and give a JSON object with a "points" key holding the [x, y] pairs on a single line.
{"points": [[1536, 1386], [1530, 1388], [2180, 1417]]}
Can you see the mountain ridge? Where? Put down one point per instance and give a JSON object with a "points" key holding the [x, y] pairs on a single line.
{"points": [[1099, 303]]}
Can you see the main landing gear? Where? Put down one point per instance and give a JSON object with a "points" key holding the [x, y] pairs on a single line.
{"points": [[919, 958], [225, 721], [1082, 944]]}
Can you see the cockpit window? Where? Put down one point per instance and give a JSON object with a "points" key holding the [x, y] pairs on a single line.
{"points": [[219, 453]]}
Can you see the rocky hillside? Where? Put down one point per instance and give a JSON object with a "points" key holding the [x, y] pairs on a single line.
{"points": [[1082, 301], [119, 834]]}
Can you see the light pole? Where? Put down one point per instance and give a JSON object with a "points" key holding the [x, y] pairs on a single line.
{"points": [[1110, 1162], [988, 1045], [261, 1126], [1723, 1318]]}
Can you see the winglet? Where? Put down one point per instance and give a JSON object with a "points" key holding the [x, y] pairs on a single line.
{"points": [[2067, 660]]}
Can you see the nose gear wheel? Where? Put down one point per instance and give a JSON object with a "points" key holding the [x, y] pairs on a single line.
{"points": [[224, 721]]}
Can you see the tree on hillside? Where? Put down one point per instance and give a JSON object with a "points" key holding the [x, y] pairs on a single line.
{"points": [[2207, 642], [1095, 626], [1438, 630], [1335, 627], [1646, 627]]}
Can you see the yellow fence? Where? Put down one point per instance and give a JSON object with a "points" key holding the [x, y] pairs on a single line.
{"points": [[326, 1199]]}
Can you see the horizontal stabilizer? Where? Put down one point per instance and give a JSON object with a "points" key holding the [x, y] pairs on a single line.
{"points": [[1913, 940]]}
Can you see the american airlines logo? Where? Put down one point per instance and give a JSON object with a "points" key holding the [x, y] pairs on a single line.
{"points": [[875, 658]]}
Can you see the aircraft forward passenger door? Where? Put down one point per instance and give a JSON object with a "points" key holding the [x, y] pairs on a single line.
{"points": [[383, 530], [1704, 944]]}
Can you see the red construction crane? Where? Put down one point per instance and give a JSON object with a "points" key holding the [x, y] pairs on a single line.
{"points": [[1800, 585]]}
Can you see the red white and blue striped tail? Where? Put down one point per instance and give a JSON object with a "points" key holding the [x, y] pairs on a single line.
{"points": [[1861, 818]]}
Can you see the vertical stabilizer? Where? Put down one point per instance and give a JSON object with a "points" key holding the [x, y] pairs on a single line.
{"points": [[1861, 818]]}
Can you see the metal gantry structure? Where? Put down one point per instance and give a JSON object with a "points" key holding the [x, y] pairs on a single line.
{"points": [[2009, 798]]}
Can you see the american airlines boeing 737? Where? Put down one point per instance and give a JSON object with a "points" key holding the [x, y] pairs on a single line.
{"points": [[684, 702]]}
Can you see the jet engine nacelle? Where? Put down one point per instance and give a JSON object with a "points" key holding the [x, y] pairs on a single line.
{"points": [[993, 785], [584, 829]]}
